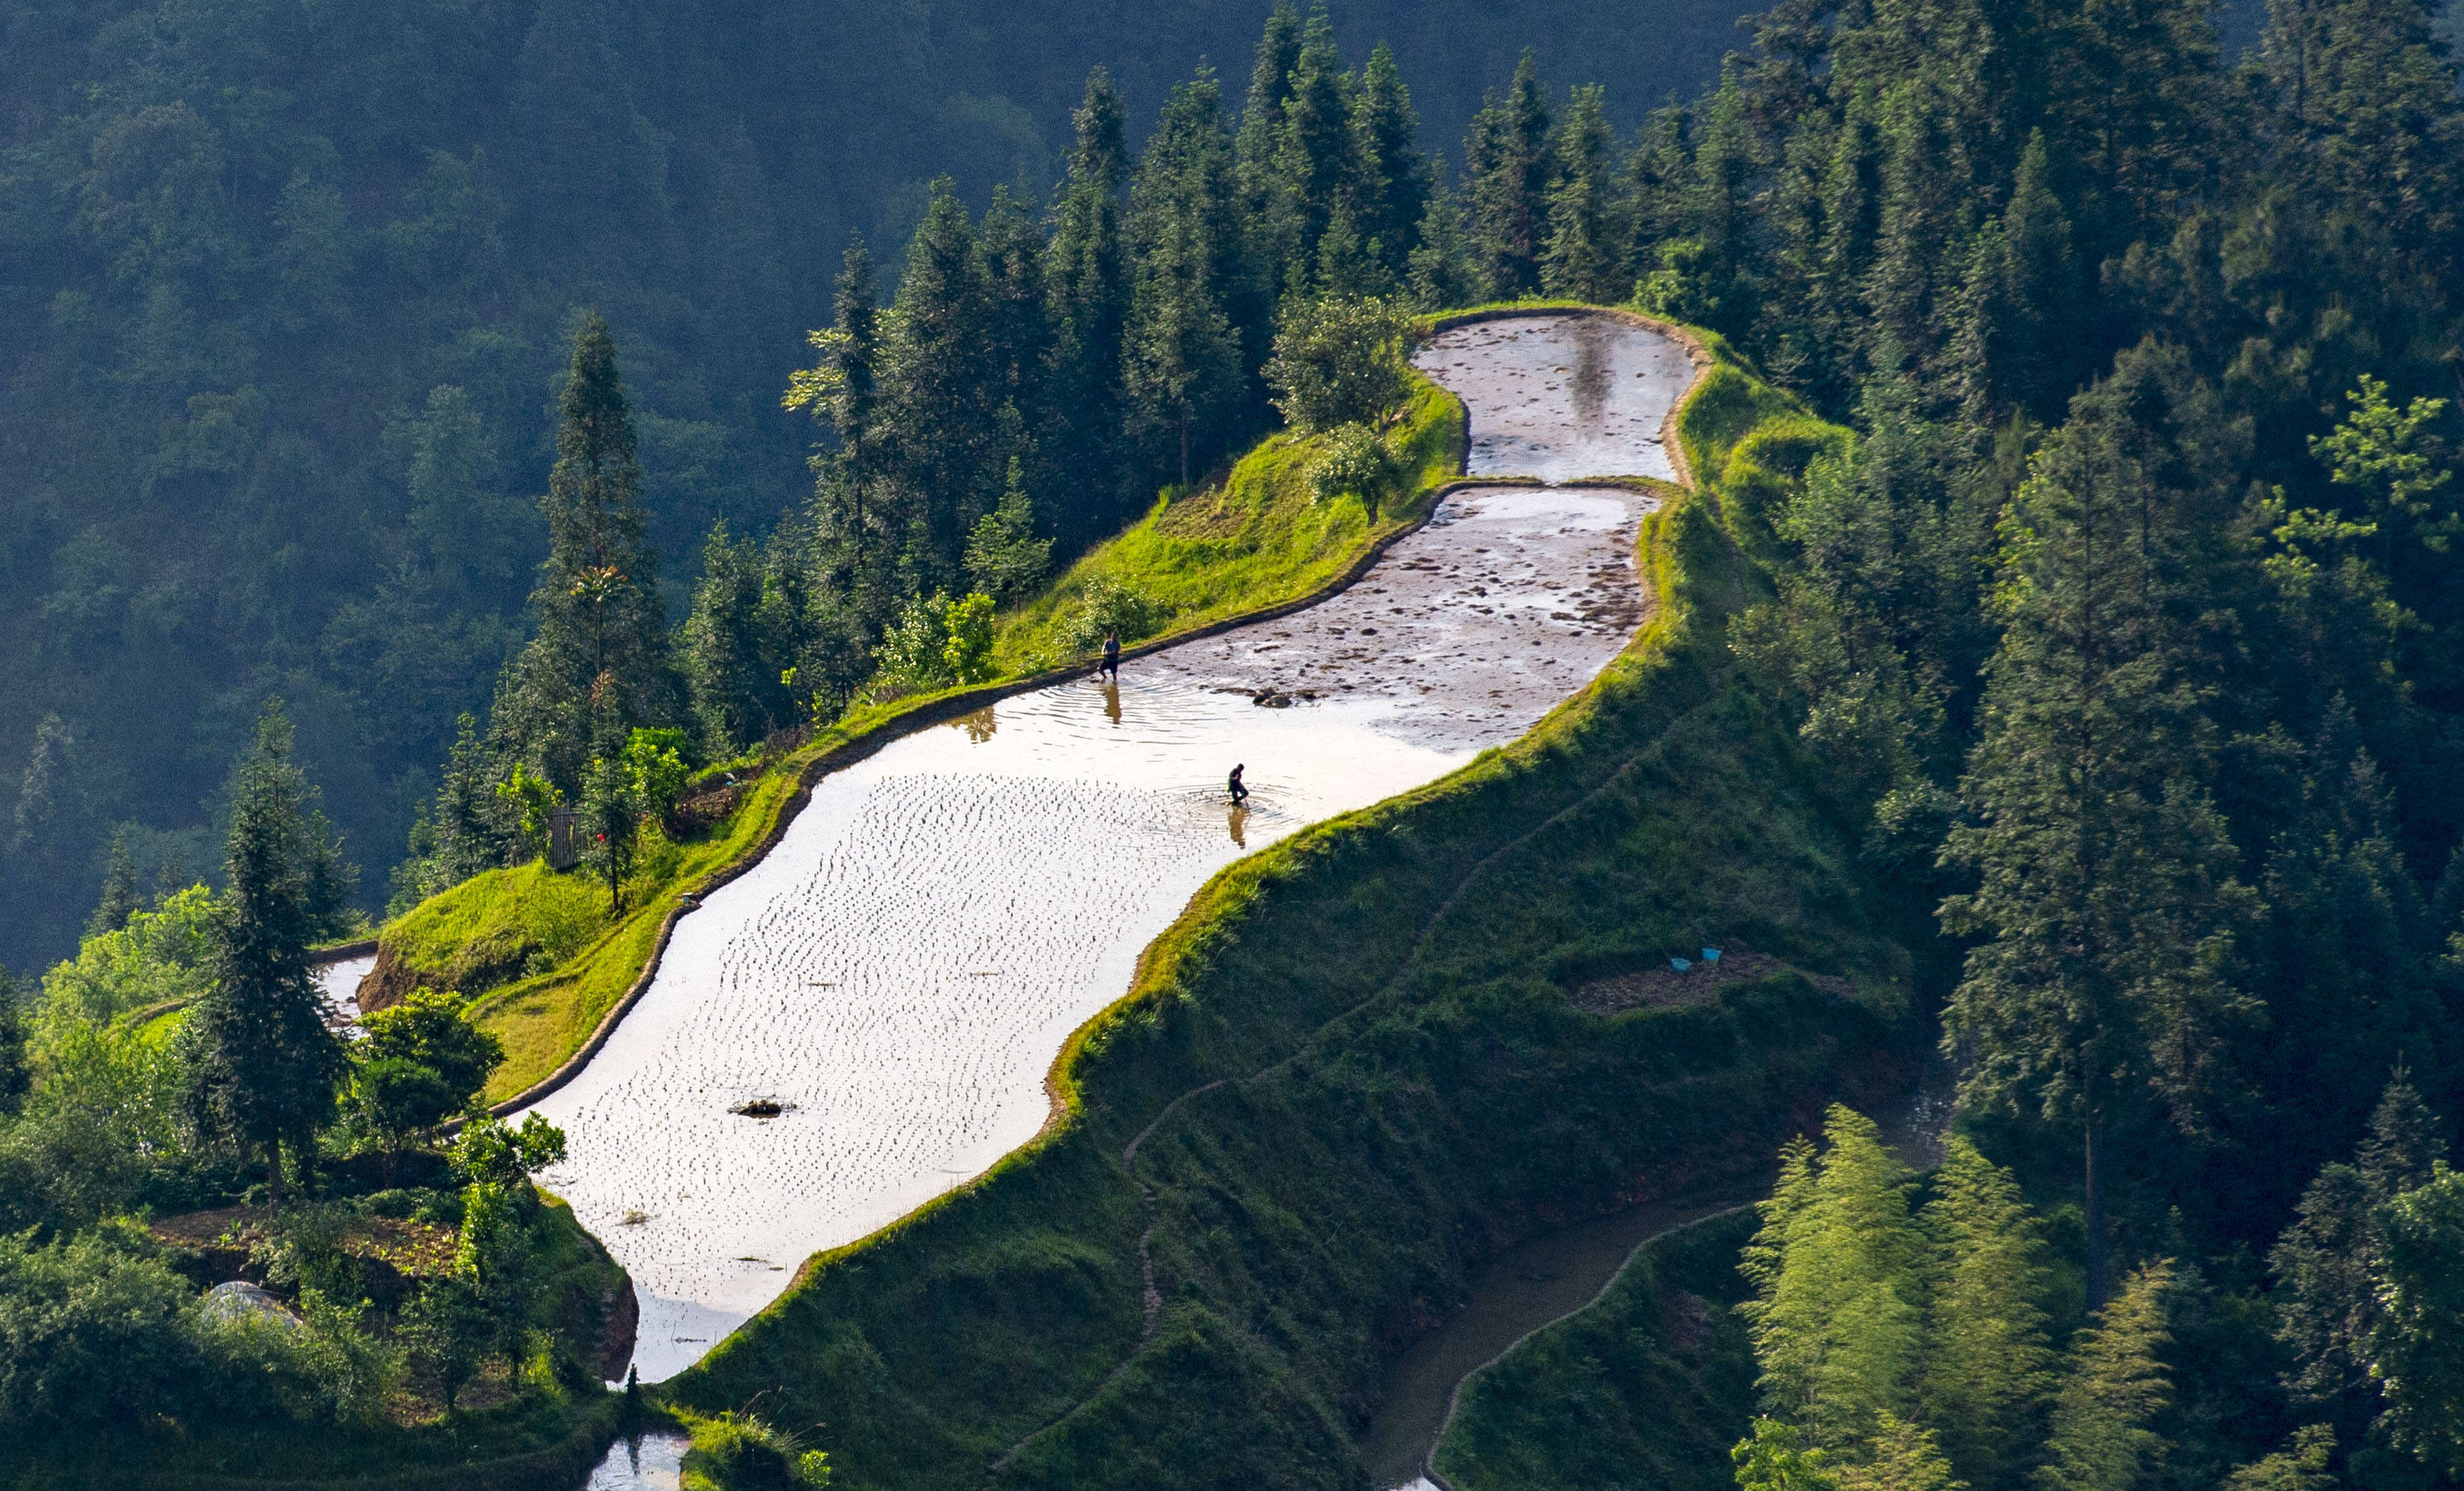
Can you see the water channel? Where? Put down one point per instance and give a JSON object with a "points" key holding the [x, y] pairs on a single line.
{"points": [[892, 981]]}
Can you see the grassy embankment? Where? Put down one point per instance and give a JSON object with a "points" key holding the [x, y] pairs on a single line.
{"points": [[1647, 1386], [1362, 1072], [539, 948]]}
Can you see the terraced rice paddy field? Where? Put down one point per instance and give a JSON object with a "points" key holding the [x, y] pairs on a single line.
{"points": [[866, 1018]]}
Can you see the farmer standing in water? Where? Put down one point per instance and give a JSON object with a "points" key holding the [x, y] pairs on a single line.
{"points": [[1240, 793], [1111, 664]]}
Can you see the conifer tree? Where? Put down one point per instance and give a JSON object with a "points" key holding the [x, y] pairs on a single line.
{"points": [[730, 661], [1506, 181], [1442, 273], [1089, 299], [600, 643], [1317, 167], [1182, 363], [120, 898], [1265, 204], [1580, 260], [842, 392], [1391, 196], [940, 416], [262, 1068], [2328, 1262], [2105, 893]]}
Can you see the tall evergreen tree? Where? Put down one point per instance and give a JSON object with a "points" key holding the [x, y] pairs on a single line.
{"points": [[1317, 168], [2105, 893], [599, 649], [941, 418], [1581, 260], [1183, 357], [120, 895], [1506, 181], [1442, 273], [1391, 196], [1987, 1365], [842, 394], [1838, 1270], [263, 1069], [1087, 280]]}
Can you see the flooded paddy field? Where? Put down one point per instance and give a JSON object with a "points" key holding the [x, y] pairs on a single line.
{"points": [[865, 1017]]}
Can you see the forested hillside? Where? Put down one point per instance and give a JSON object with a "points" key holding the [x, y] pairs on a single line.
{"points": [[286, 290]]}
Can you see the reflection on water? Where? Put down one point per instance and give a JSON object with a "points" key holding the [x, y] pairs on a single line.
{"points": [[1591, 382], [645, 1462], [978, 724], [1113, 702], [1237, 820]]}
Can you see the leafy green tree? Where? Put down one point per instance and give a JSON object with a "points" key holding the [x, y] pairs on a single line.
{"points": [[2116, 1386], [1505, 185], [1988, 1364], [1356, 463], [2393, 458], [2301, 1466], [160, 956], [263, 1066], [1772, 1458], [1900, 1457], [2419, 1278], [600, 643], [1341, 361], [967, 645], [420, 1062], [533, 800], [655, 762], [1838, 1269], [609, 819]]}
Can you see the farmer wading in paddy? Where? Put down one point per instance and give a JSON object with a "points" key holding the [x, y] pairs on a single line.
{"points": [[1111, 667], [1240, 793]]}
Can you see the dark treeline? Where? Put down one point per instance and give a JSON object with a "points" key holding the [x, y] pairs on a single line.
{"points": [[2131, 614], [286, 292]]}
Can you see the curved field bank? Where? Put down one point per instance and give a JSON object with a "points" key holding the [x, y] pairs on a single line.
{"points": [[866, 1020]]}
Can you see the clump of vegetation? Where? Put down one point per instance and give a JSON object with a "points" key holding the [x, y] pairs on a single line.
{"points": [[1109, 607], [739, 1452]]}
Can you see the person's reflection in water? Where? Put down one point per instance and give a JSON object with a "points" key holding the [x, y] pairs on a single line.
{"points": [[1237, 820], [1112, 703]]}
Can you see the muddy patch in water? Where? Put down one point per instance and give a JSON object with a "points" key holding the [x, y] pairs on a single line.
{"points": [[1561, 398]]}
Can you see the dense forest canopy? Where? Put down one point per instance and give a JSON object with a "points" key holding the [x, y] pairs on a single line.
{"points": [[286, 292]]}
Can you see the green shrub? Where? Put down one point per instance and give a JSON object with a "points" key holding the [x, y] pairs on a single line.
{"points": [[1111, 607], [737, 1452]]}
